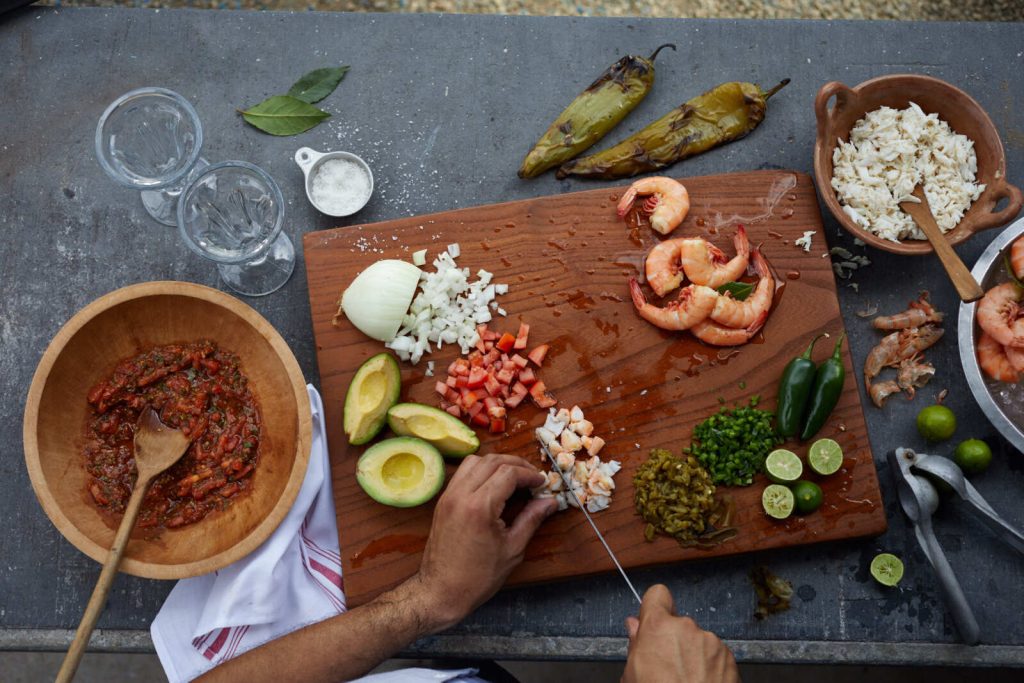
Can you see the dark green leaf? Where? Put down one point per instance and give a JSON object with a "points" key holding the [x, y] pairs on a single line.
{"points": [[317, 84], [284, 115], [739, 290]]}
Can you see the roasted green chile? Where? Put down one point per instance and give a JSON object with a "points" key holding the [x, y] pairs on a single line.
{"points": [[794, 389], [726, 113], [593, 113], [828, 387]]}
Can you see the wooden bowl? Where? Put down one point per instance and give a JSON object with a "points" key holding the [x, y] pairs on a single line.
{"points": [[955, 107], [86, 350]]}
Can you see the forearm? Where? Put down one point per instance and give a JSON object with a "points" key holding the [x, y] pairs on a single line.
{"points": [[341, 648]]}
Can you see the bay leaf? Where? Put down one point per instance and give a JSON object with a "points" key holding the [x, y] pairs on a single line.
{"points": [[284, 115], [739, 290], [318, 84]]}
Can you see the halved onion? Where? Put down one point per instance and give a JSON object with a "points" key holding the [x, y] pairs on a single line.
{"points": [[378, 298]]}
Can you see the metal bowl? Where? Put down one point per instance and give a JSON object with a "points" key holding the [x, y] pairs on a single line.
{"points": [[989, 271]]}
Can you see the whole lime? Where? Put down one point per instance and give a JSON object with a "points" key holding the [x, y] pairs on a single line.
{"points": [[807, 496], [973, 456], [936, 423]]}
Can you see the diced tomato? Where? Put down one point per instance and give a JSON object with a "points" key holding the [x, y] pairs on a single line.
{"points": [[538, 392], [481, 345], [538, 354], [441, 388], [476, 360], [491, 336], [480, 419], [481, 330], [505, 393], [524, 332], [527, 377], [477, 377], [488, 346], [461, 366], [497, 425], [519, 360], [514, 400], [493, 386], [468, 398], [519, 389], [453, 396], [461, 382], [454, 410], [506, 342], [492, 356], [451, 381], [477, 407], [496, 366], [495, 407], [506, 375]]}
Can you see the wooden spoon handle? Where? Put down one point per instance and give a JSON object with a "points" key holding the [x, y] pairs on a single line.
{"points": [[966, 286], [103, 584]]}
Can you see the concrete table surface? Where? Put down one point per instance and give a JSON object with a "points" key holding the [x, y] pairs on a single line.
{"points": [[443, 108]]}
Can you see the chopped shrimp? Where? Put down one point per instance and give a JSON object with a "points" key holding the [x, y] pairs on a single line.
{"points": [[705, 264], [667, 202], [919, 313], [693, 305], [992, 359], [1017, 258], [712, 333], [732, 313], [663, 267], [998, 311], [913, 373], [881, 391]]}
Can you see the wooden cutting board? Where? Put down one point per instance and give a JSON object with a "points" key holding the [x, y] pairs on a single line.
{"points": [[567, 260]]}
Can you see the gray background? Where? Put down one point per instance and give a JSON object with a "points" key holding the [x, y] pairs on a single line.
{"points": [[443, 108]]}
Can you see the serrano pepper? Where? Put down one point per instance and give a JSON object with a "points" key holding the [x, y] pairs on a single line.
{"points": [[726, 113], [593, 113]]}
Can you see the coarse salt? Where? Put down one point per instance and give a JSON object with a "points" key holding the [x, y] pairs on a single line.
{"points": [[340, 187]]}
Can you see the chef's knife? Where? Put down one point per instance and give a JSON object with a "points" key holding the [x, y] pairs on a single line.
{"points": [[583, 509]]}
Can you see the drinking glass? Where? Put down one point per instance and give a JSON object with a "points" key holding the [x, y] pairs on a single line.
{"points": [[149, 139], [232, 213]]}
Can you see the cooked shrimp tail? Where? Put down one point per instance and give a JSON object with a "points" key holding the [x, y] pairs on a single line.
{"points": [[998, 314], [705, 264], [732, 313], [881, 391], [693, 305], [662, 267], [1017, 258], [993, 361]]}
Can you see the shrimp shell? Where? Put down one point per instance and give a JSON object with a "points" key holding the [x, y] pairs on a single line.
{"points": [[917, 314]]}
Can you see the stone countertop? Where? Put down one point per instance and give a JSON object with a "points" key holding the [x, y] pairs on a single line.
{"points": [[443, 107]]}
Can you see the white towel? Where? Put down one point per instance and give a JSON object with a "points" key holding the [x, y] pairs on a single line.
{"points": [[291, 581]]}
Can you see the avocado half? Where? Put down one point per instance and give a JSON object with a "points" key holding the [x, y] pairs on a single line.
{"points": [[402, 472], [445, 432], [373, 390]]}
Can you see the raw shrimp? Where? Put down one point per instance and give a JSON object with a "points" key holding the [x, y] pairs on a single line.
{"points": [[913, 373], [662, 266], [732, 313], [705, 264], [1017, 257], [693, 305], [712, 333], [881, 391], [998, 313], [919, 313], [992, 359], [667, 202]]}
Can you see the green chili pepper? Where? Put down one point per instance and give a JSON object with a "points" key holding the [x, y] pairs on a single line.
{"points": [[593, 113], [828, 386], [726, 113], [794, 388]]}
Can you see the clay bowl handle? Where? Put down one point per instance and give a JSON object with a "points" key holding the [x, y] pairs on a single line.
{"points": [[1003, 190], [824, 115]]}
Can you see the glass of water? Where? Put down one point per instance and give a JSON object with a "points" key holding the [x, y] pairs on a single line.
{"points": [[149, 139], [232, 213]]}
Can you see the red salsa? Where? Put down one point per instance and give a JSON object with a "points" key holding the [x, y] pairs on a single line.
{"points": [[197, 388]]}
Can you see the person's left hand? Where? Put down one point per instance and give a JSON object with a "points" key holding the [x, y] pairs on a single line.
{"points": [[471, 551]]}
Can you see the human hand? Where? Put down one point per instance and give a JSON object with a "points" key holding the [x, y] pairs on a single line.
{"points": [[665, 648], [471, 551]]}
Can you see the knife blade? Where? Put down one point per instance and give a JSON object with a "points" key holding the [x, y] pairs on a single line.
{"points": [[583, 509]]}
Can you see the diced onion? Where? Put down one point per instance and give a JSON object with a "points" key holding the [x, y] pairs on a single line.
{"points": [[377, 300], [419, 258]]}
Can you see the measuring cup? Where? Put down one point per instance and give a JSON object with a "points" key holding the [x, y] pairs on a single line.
{"points": [[310, 161]]}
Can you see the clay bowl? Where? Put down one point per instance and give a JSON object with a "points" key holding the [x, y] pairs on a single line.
{"points": [[86, 350], [957, 108]]}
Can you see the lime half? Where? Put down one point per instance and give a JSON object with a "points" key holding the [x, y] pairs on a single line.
{"points": [[825, 457], [783, 466], [778, 501], [887, 569]]}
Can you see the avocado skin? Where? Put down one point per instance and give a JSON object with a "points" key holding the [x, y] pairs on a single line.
{"points": [[465, 441]]}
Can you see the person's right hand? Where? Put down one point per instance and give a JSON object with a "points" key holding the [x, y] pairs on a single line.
{"points": [[471, 551], [665, 648]]}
